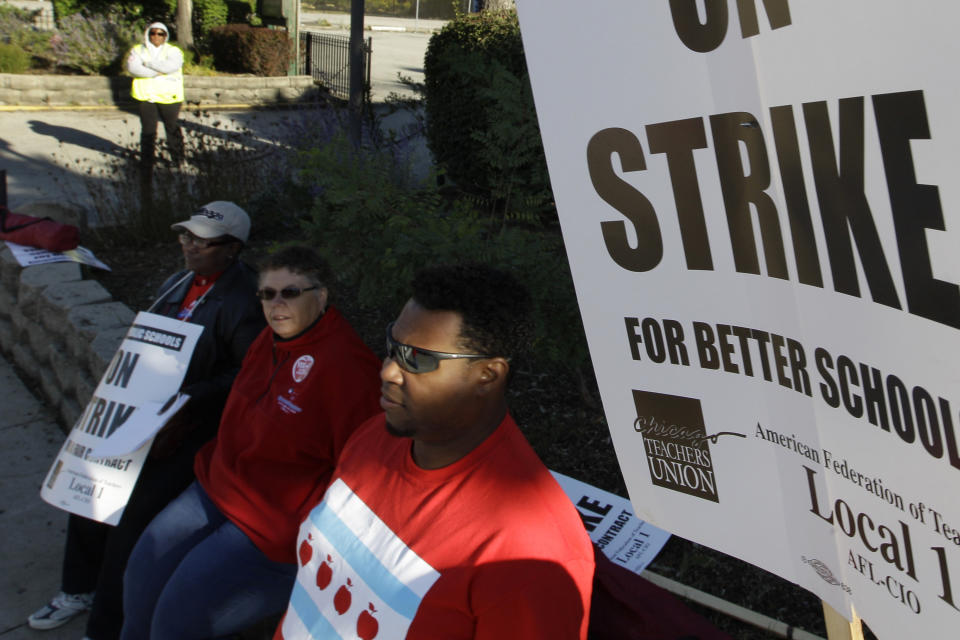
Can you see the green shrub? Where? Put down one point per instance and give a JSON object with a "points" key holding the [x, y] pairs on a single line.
{"points": [[481, 122], [154, 10], [209, 14], [241, 10], [13, 19], [96, 43], [64, 8], [197, 65], [375, 223], [240, 48], [16, 28], [13, 59], [377, 226]]}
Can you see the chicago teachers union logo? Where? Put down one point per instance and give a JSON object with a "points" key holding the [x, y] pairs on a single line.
{"points": [[676, 443]]}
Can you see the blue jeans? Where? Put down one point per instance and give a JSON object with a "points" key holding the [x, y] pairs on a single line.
{"points": [[195, 574]]}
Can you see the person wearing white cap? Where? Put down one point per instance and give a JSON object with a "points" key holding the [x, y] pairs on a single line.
{"points": [[218, 291], [157, 70]]}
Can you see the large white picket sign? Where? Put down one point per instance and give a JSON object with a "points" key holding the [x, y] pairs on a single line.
{"points": [[147, 369], [761, 209]]}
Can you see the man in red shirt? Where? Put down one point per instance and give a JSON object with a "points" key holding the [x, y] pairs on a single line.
{"points": [[440, 521]]}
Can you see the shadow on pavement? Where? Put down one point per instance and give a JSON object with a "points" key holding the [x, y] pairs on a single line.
{"points": [[69, 135]]}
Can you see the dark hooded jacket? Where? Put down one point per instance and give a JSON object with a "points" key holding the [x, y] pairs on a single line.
{"points": [[231, 318]]}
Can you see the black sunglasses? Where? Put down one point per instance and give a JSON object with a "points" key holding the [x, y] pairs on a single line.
{"points": [[287, 293], [159, 33], [417, 360]]}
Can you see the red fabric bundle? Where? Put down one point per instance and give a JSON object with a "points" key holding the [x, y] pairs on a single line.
{"points": [[43, 233]]}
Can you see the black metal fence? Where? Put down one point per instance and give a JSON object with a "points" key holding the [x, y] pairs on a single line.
{"points": [[326, 57]]}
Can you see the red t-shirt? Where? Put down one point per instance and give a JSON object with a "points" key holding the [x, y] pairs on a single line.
{"points": [[489, 547], [290, 411], [198, 288]]}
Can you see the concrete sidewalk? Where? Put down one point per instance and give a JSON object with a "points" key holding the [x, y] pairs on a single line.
{"points": [[32, 532]]}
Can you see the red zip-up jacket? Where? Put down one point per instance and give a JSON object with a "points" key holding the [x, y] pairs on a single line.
{"points": [[291, 409]]}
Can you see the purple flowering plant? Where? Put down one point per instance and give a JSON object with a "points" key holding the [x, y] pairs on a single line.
{"points": [[96, 43]]}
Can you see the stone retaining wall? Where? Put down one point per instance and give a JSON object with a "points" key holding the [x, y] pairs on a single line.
{"points": [[205, 91], [60, 329]]}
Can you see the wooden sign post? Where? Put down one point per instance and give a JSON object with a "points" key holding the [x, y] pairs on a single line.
{"points": [[838, 627]]}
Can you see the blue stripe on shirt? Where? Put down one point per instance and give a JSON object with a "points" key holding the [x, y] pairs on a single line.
{"points": [[305, 608], [394, 593]]}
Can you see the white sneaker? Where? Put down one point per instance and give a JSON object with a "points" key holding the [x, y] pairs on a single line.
{"points": [[60, 610]]}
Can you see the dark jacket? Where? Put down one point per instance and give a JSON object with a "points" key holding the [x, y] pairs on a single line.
{"points": [[232, 318]]}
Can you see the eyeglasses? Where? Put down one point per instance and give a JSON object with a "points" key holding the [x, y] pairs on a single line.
{"points": [[159, 33], [287, 293], [187, 238], [417, 360]]}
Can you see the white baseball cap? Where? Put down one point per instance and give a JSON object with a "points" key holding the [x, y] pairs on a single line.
{"points": [[216, 219]]}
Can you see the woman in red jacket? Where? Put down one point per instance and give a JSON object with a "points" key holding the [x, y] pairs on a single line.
{"points": [[221, 556]]}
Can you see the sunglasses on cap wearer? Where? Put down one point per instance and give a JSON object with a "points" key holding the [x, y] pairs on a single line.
{"points": [[187, 238], [418, 360], [155, 32], [287, 293]]}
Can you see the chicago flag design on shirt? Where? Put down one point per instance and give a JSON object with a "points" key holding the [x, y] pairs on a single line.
{"points": [[356, 577]]}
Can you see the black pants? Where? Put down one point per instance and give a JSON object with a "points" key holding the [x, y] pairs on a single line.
{"points": [[150, 114], [96, 554]]}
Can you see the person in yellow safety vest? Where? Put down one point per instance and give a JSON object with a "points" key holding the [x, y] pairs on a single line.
{"points": [[156, 67]]}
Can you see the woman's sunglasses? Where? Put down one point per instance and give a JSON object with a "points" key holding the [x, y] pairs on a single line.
{"points": [[417, 360], [159, 33], [287, 293]]}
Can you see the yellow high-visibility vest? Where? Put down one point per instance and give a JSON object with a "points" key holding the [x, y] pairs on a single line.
{"points": [[163, 89]]}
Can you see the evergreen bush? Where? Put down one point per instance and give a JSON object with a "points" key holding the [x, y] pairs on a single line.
{"points": [[240, 48], [481, 122], [13, 59], [207, 15], [210, 14]]}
